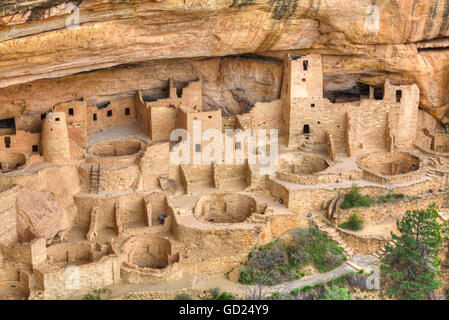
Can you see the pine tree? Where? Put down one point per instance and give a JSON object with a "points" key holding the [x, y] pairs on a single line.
{"points": [[412, 265]]}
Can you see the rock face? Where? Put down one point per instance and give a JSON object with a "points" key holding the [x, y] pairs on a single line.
{"points": [[39, 215], [363, 41]]}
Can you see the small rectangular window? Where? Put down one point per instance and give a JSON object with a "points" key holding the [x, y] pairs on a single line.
{"points": [[306, 129], [198, 147], [57, 119], [35, 148], [238, 145], [398, 95], [7, 142], [312, 105], [127, 111], [71, 112], [303, 79], [43, 115], [95, 117], [210, 117], [109, 113], [305, 65]]}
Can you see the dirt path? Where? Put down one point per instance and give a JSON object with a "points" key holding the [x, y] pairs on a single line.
{"points": [[204, 282]]}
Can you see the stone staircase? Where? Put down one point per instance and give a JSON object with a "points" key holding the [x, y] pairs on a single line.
{"points": [[433, 173], [257, 218], [332, 234], [381, 252]]}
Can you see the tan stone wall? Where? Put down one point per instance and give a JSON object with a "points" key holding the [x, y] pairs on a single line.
{"points": [[99, 274], [55, 138], [116, 110], [225, 173], [388, 212], [156, 163], [21, 141], [112, 178], [196, 174]]}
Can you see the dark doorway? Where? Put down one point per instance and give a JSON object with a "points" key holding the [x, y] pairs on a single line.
{"points": [[7, 142], [398, 95], [305, 65], [306, 129]]}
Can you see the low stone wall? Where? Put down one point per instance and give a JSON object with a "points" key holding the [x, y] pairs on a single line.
{"points": [[151, 259], [363, 244], [196, 174], [228, 172], [111, 178], [319, 178], [60, 283], [303, 200], [390, 211], [403, 158]]}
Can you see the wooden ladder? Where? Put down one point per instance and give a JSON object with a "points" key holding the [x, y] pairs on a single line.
{"points": [[94, 179]]}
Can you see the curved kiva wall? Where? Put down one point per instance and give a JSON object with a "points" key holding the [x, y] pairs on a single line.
{"points": [[55, 138], [309, 168], [115, 152], [386, 167], [227, 207], [10, 161], [150, 259], [302, 163], [112, 177]]}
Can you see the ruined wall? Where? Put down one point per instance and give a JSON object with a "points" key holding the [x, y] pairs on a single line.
{"points": [[116, 112], [196, 174], [155, 163], [228, 173]]}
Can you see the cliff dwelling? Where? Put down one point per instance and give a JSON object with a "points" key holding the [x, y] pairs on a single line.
{"points": [[138, 157]]}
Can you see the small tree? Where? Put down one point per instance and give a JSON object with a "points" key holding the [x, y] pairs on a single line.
{"points": [[411, 267]]}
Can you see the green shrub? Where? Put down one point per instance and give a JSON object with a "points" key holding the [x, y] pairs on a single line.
{"points": [[183, 296], [337, 293], [354, 199], [276, 263], [355, 223], [224, 296], [391, 197], [89, 296]]}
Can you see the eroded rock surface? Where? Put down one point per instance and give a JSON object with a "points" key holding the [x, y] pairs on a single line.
{"points": [[39, 215]]}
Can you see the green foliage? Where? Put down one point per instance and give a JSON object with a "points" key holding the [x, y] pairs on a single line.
{"points": [[323, 253], [391, 197], [97, 294], [183, 296], [337, 293], [446, 131], [294, 292], [89, 296], [355, 223], [217, 294], [225, 296], [354, 199], [276, 263], [411, 267]]}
